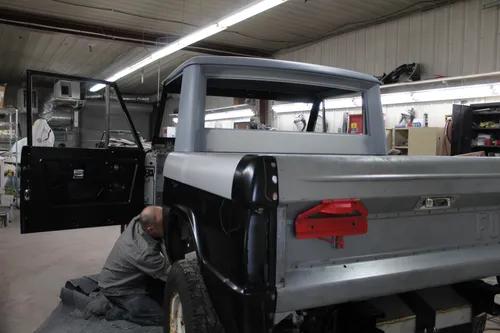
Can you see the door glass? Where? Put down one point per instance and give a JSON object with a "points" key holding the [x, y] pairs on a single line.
{"points": [[66, 114], [120, 133]]}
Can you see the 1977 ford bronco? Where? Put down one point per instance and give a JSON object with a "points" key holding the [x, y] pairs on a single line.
{"points": [[293, 231]]}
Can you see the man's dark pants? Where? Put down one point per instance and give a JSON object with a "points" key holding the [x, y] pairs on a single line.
{"points": [[144, 310]]}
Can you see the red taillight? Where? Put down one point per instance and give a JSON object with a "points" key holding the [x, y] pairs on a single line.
{"points": [[333, 218]]}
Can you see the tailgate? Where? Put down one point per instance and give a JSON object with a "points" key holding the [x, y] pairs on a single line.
{"points": [[405, 248]]}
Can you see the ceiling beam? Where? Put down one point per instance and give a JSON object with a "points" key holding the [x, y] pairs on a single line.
{"points": [[57, 25]]}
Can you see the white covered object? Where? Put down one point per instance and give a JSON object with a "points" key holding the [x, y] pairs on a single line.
{"points": [[43, 136]]}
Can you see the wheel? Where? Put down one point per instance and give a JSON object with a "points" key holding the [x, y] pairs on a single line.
{"points": [[188, 308]]}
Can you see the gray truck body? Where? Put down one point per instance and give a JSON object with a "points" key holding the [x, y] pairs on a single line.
{"points": [[406, 247]]}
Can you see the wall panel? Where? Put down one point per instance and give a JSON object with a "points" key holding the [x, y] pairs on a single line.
{"points": [[457, 39]]}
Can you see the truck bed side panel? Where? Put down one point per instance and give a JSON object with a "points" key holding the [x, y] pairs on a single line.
{"points": [[405, 248]]}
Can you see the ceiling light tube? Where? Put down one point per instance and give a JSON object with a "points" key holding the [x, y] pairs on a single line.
{"points": [[292, 107], [249, 11], [342, 103], [443, 94], [97, 87], [476, 91], [163, 52], [229, 108], [245, 113], [230, 114], [200, 34], [397, 98]]}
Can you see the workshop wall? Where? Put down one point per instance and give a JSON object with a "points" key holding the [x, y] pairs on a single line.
{"points": [[215, 102], [437, 111], [11, 101], [457, 39]]}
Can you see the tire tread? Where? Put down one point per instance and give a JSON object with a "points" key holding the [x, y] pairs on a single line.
{"points": [[204, 318]]}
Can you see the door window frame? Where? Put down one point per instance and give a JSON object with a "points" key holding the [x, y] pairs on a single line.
{"points": [[107, 97]]}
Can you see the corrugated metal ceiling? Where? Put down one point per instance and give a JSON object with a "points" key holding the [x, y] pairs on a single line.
{"points": [[72, 55], [293, 23]]}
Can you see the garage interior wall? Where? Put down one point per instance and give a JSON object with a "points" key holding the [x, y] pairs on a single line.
{"points": [[93, 117], [453, 40], [436, 111], [457, 39], [11, 100]]}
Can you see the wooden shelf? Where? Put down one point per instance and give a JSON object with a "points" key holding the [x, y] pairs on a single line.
{"points": [[401, 147]]}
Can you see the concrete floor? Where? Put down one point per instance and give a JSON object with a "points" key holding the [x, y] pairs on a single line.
{"points": [[34, 267]]}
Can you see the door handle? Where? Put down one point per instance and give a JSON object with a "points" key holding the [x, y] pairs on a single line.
{"points": [[27, 194]]}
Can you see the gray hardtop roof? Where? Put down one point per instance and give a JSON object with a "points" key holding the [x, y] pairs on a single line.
{"points": [[271, 64]]}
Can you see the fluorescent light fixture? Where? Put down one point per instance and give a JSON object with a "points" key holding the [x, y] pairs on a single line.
{"points": [[292, 107], [397, 98], [249, 11], [342, 103], [229, 108], [442, 94], [245, 113], [163, 52], [200, 34], [97, 87], [476, 91]]}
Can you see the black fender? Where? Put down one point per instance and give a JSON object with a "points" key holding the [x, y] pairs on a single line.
{"points": [[181, 219]]}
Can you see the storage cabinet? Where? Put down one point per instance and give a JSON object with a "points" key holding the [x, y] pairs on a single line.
{"points": [[475, 128], [423, 141]]}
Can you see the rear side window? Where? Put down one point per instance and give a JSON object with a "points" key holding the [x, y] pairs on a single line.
{"points": [[238, 104]]}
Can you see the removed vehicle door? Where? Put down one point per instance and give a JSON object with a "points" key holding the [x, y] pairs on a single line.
{"points": [[68, 188]]}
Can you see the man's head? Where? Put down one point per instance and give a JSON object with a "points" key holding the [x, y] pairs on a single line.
{"points": [[151, 220]]}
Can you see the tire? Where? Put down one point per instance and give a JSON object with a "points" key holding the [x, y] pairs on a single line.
{"points": [[185, 287]]}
